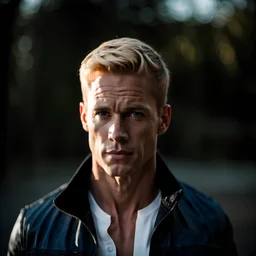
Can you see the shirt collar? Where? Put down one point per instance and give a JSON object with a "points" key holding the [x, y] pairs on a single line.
{"points": [[73, 198]]}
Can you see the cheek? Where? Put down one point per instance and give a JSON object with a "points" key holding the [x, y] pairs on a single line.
{"points": [[94, 128], [149, 138], [92, 135], [147, 141], [147, 132], [97, 134]]}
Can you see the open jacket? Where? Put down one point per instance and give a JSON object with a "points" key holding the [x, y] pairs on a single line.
{"points": [[188, 223]]}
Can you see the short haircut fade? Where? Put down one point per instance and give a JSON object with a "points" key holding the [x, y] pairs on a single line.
{"points": [[126, 55]]}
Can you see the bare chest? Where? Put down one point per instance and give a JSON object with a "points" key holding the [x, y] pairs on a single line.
{"points": [[123, 237]]}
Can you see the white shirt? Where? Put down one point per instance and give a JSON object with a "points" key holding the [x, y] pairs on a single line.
{"points": [[145, 222]]}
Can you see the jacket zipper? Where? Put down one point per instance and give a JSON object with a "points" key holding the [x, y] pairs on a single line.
{"points": [[89, 231], [170, 208]]}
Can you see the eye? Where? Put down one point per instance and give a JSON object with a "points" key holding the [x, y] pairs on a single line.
{"points": [[102, 113], [135, 114]]}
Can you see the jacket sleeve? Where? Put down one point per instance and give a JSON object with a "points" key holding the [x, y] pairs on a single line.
{"points": [[16, 241], [227, 238]]}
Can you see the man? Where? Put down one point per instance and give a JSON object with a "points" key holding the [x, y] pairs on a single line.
{"points": [[123, 200]]}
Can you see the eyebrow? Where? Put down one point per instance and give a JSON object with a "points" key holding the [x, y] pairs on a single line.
{"points": [[131, 107], [101, 107], [137, 107]]}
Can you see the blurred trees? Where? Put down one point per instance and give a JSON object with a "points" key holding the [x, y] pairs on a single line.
{"points": [[209, 47]]}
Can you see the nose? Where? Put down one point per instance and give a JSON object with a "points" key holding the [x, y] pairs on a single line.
{"points": [[117, 131]]}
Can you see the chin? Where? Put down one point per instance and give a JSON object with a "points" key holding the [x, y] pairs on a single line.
{"points": [[120, 171]]}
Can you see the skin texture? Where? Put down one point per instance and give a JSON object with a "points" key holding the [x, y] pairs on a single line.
{"points": [[123, 124]]}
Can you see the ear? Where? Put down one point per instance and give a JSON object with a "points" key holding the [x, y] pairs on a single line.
{"points": [[165, 119], [83, 112]]}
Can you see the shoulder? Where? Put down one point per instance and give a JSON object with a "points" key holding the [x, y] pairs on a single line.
{"points": [[201, 206], [43, 203], [206, 218], [31, 219], [36, 214]]}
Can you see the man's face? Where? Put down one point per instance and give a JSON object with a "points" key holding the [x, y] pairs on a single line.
{"points": [[122, 121]]}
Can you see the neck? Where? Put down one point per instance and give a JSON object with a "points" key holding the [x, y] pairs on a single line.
{"points": [[124, 196]]}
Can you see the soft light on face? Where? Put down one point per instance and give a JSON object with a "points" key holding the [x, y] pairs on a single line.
{"points": [[122, 120]]}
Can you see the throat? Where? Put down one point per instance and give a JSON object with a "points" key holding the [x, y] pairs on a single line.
{"points": [[122, 195]]}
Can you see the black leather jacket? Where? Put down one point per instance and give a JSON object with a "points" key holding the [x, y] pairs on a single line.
{"points": [[188, 223]]}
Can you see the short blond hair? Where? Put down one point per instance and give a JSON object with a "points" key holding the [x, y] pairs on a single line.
{"points": [[126, 55]]}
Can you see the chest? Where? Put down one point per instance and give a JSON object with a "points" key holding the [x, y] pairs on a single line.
{"points": [[125, 238], [121, 238], [74, 238]]}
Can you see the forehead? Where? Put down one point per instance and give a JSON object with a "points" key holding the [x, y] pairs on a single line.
{"points": [[127, 87]]}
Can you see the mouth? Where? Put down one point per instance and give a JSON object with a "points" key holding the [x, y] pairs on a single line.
{"points": [[118, 154]]}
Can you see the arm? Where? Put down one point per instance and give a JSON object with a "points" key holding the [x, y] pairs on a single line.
{"points": [[227, 238], [16, 241]]}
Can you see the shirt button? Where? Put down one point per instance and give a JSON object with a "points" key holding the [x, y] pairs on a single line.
{"points": [[110, 249]]}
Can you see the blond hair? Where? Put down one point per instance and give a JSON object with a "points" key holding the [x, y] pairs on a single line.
{"points": [[126, 55]]}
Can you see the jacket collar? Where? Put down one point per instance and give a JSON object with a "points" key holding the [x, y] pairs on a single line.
{"points": [[73, 198]]}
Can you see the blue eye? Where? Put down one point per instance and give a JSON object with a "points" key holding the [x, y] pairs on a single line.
{"points": [[136, 114], [102, 113]]}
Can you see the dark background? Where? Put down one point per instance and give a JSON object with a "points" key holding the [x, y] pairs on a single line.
{"points": [[210, 49]]}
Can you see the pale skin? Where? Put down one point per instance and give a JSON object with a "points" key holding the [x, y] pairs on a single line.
{"points": [[123, 122]]}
